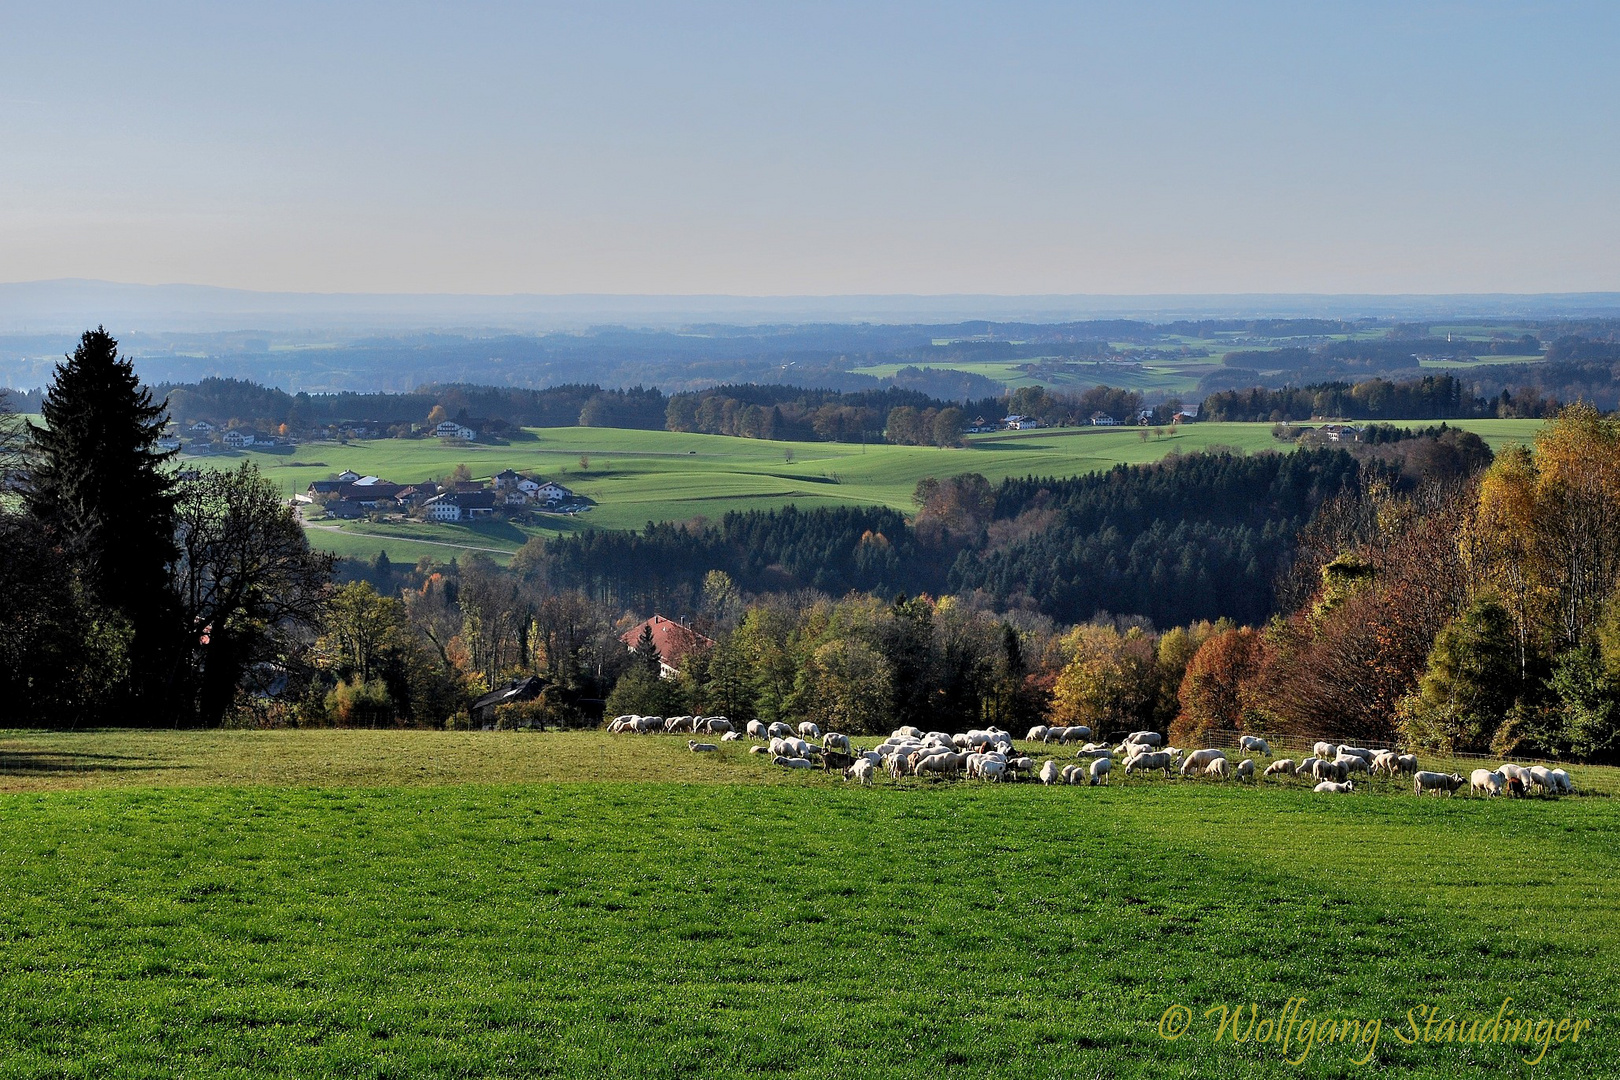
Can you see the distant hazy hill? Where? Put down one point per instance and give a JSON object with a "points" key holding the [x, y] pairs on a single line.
{"points": [[50, 307]]}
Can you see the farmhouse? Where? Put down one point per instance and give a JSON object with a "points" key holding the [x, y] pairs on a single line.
{"points": [[1019, 422], [1102, 419], [674, 642], [461, 505], [239, 438], [202, 427], [449, 429]]}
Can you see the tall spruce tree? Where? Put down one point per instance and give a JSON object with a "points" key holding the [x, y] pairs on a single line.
{"points": [[96, 482]]}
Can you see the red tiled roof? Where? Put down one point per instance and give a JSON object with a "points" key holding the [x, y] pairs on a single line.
{"points": [[671, 638]]}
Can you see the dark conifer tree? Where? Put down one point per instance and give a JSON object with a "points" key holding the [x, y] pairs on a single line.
{"points": [[96, 482]]}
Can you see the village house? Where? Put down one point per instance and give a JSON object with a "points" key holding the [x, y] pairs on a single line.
{"points": [[460, 505], [201, 427], [674, 642], [1102, 419], [1019, 422], [449, 429]]}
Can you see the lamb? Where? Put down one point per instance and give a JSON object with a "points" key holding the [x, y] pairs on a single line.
{"points": [[1561, 778], [730, 736], [1491, 783], [1434, 781], [1328, 787], [1245, 769], [1199, 759], [1100, 768], [1050, 772], [701, 747], [1326, 750], [756, 730], [834, 741], [1254, 744], [861, 770], [1073, 774], [1221, 769], [793, 762], [1280, 767]]}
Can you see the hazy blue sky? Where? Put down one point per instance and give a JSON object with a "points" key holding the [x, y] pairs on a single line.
{"points": [[762, 148]]}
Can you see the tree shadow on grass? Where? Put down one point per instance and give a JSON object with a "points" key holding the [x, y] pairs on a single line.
{"points": [[71, 763]]}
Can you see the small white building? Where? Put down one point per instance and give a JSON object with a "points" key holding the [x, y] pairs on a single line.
{"points": [[238, 438], [449, 429], [202, 427], [1102, 419]]}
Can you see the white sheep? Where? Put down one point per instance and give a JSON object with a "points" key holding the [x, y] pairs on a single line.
{"points": [[992, 769], [1326, 750], [1145, 738], [1050, 772], [793, 762], [701, 747], [1355, 751], [1146, 762], [759, 750], [1200, 759], [1245, 769], [1037, 733], [756, 730], [1490, 782], [1305, 767], [1100, 768], [861, 770], [1565, 785], [1220, 769], [1280, 767], [1384, 762], [1329, 770], [1434, 781], [1254, 744], [1515, 772], [717, 725], [779, 730], [1073, 774], [1351, 763], [1406, 764], [1328, 787], [678, 724], [908, 732], [1542, 778], [835, 741], [808, 730], [730, 736]]}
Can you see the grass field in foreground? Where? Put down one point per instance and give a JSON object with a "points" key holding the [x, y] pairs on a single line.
{"points": [[631, 926], [641, 476]]}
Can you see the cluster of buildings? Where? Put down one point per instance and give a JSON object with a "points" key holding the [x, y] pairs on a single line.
{"points": [[351, 495]]}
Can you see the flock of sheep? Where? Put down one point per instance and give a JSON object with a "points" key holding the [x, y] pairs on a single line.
{"points": [[989, 754]]}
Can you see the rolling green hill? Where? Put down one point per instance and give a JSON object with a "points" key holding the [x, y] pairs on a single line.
{"points": [[641, 476]]}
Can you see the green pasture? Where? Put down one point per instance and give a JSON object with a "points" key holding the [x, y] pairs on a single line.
{"points": [[418, 904], [641, 476]]}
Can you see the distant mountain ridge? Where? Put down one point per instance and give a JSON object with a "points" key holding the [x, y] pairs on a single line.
{"points": [[66, 305]]}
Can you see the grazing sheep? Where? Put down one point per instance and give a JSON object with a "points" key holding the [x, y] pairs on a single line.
{"points": [[1326, 750], [759, 750], [1254, 744], [1542, 778], [908, 732], [1145, 738], [1280, 767], [1199, 759], [1149, 761], [1100, 768], [807, 730], [861, 770], [1328, 770], [1073, 774], [718, 725], [834, 741], [1306, 766], [793, 762], [678, 724], [1351, 763], [701, 747], [1245, 769], [650, 723], [1434, 781], [730, 736], [1037, 733], [1512, 771], [991, 769], [1220, 769], [1561, 778], [1491, 783], [1406, 764], [1328, 787], [756, 730], [1355, 751], [779, 730], [1384, 762], [1050, 772]]}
